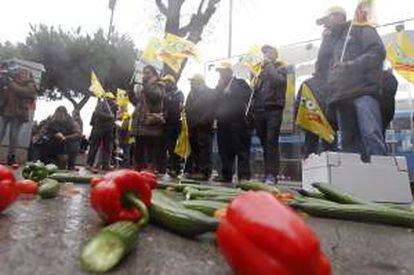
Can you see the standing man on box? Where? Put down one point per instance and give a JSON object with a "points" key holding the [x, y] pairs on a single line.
{"points": [[267, 106], [354, 81]]}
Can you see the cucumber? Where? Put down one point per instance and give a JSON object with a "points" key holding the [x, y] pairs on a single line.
{"points": [[109, 246], [192, 193], [69, 177], [222, 198], [337, 195], [258, 186], [173, 216], [205, 206], [357, 212], [179, 187], [49, 188], [310, 194]]}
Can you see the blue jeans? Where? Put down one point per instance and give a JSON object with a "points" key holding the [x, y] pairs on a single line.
{"points": [[360, 123]]}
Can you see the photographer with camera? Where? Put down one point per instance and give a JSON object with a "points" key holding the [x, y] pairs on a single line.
{"points": [[15, 99]]}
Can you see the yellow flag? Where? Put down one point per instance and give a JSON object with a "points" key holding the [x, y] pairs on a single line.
{"points": [[401, 56], [253, 60], [311, 117], [180, 47], [122, 99], [152, 50], [172, 61], [183, 148], [96, 87]]}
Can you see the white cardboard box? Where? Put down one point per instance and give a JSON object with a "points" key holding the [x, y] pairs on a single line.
{"points": [[384, 179]]}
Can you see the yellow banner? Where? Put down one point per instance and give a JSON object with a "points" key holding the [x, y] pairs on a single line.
{"points": [[311, 117], [122, 99], [96, 86], [253, 60], [183, 148], [401, 56]]}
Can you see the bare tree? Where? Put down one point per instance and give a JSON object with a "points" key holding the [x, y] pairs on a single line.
{"points": [[193, 30]]}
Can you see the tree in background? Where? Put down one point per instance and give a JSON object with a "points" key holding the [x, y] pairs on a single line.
{"points": [[193, 30], [69, 57]]}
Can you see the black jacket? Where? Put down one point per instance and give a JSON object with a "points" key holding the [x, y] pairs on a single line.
{"points": [[103, 118], [172, 104], [270, 90], [200, 107], [231, 104], [364, 57]]}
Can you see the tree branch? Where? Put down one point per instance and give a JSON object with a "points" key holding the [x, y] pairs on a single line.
{"points": [[84, 100], [162, 7]]}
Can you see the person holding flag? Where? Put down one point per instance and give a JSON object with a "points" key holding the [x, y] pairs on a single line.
{"points": [[354, 79]]}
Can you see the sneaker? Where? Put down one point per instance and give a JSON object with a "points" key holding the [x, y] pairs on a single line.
{"points": [[270, 180]]}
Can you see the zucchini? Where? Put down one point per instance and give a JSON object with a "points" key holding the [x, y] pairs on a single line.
{"points": [[192, 193], [258, 186], [205, 206], [310, 194], [337, 195], [49, 188], [69, 177], [179, 187], [357, 212], [109, 246], [173, 216]]}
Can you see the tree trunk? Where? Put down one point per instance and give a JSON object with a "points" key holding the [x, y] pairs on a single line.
{"points": [[78, 105]]}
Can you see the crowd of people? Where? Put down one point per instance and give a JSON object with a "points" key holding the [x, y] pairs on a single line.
{"points": [[351, 87]]}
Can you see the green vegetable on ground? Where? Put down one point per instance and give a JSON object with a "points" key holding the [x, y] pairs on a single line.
{"points": [[109, 246], [35, 171], [258, 186], [71, 177], [357, 212], [205, 206], [49, 188], [173, 216], [335, 194]]}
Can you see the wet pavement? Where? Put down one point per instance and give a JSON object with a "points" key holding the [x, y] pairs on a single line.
{"points": [[46, 237]]}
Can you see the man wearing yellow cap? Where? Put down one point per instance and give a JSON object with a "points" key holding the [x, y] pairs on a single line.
{"points": [[233, 131], [200, 116], [351, 58], [267, 106], [173, 104]]}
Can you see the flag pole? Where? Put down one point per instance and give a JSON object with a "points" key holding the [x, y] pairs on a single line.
{"points": [[348, 36]]}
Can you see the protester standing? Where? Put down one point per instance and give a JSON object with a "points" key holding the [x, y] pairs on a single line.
{"points": [[233, 131], [267, 107], [200, 113], [148, 121], [102, 135], [354, 81], [15, 100], [174, 100]]}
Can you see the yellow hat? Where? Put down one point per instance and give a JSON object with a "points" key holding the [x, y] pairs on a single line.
{"points": [[225, 66], [197, 77], [330, 11], [168, 77]]}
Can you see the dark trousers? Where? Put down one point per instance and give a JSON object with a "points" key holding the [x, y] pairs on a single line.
{"points": [[201, 141], [104, 138], [72, 150], [234, 141], [148, 152], [172, 132], [14, 128], [315, 145], [126, 155], [267, 125]]}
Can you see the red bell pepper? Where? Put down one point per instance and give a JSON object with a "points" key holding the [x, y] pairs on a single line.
{"points": [[28, 187], [8, 188], [259, 235], [150, 178], [118, 196]]}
